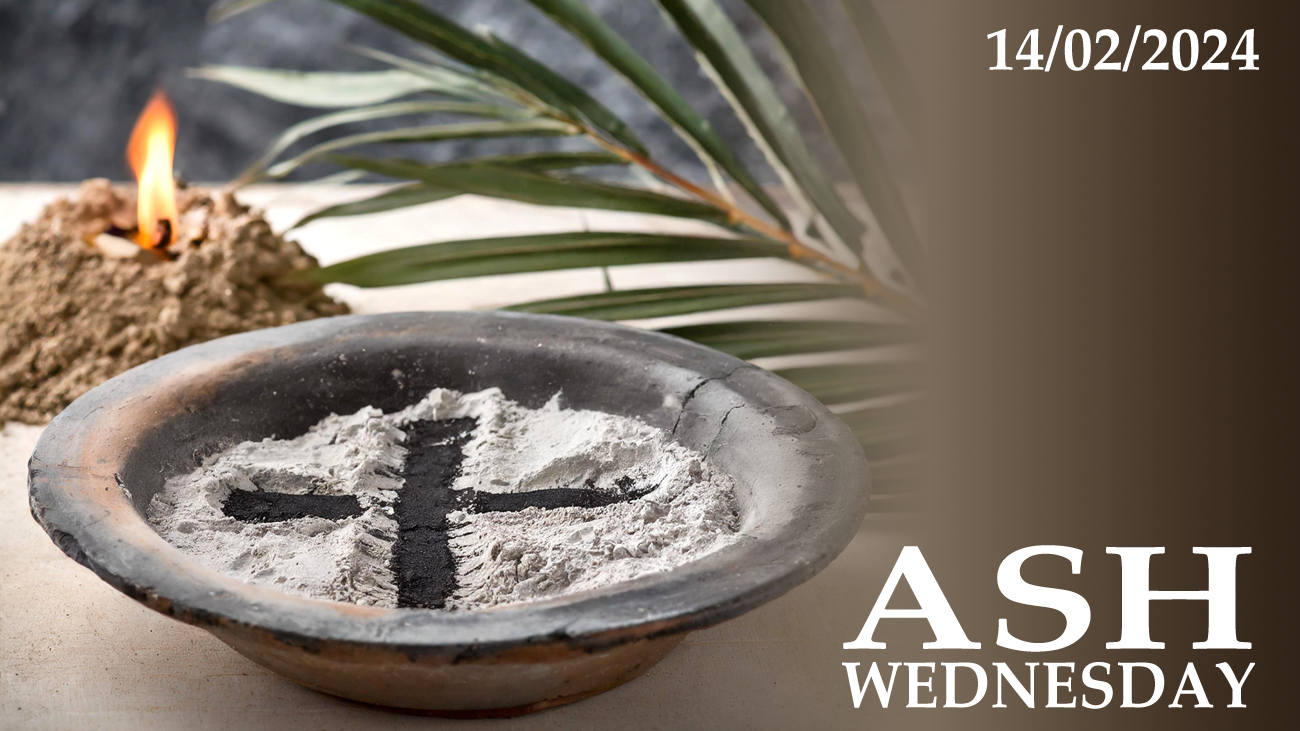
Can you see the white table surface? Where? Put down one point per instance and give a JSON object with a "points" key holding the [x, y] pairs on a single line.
{"points": [[75, 653]]}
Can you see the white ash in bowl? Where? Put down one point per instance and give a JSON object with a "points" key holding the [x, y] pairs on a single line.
{"points": [[462, 501]]}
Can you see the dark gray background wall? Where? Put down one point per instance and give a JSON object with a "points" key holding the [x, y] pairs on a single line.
{"points": [[75, 73]]}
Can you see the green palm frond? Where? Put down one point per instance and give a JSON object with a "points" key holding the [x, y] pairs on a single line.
{"points": [[636, 304], [416, 194], [497, 90], [323, 90], [814, 63]]}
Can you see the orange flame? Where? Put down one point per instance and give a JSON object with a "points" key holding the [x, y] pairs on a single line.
{"points": [[149, 152]]}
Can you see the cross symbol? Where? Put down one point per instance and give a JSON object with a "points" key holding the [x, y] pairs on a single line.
{"points": [[422, 561]]}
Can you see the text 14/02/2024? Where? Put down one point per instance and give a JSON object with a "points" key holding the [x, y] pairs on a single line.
{"points": [[1185, 50]]}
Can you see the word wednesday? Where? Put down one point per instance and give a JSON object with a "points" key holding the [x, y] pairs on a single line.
{"points": [[1095, 678]]}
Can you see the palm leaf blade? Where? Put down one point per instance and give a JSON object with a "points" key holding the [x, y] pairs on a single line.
{"points": [[451, 39], [887, 431], [525, 186], [420, 193], [449, 81], [543, 252], [573, 96], [543, 161], [311, 126], [907, 502], [822, 74], [726, 55], [575, 16], [667, 301], [835, 384], [321, 89], [426, 133], [888, 64], [227, 8], [763, 339], [896, 475], [402, 197]]}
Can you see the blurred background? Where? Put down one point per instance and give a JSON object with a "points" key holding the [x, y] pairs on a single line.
{"points": [[75, 73]]}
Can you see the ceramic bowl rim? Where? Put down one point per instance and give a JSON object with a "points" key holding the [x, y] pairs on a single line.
{"points": [[76, 497]]}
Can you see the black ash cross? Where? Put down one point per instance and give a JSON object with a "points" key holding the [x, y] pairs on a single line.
{"points": [[422, 560]]}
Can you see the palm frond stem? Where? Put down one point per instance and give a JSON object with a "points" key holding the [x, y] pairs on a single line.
{"points": [[872, 286]]}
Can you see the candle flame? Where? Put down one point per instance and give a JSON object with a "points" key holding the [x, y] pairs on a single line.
{"points": [[153, 142]]}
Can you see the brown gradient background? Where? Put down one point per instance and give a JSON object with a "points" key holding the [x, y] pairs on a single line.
{"points": [[1114, 265]]}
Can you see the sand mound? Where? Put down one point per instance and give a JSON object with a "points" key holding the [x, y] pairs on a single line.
{"points": [[74, 313]]}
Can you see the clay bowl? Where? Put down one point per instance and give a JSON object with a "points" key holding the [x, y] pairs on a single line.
{"points": [[802, 485]]}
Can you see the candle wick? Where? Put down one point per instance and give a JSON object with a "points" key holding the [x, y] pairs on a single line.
{"points": [[164, 229]]}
